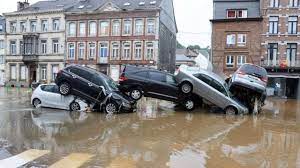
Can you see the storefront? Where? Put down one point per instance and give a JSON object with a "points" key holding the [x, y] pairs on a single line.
{"points": [[284, 86]]}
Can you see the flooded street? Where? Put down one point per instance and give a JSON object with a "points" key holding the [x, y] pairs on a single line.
{"points": [[158, 135]]}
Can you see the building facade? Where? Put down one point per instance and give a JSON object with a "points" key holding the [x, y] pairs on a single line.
{"points": [[236, 28], [114, 33], [35, 42], [2, 50], [280, 46]]}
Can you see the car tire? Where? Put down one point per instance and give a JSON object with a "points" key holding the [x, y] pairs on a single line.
{"points": [[64, 89], [231, 110], [186, 87], [36, 102], [111, 108], [189, 105], [75, 106], [136, 94]]}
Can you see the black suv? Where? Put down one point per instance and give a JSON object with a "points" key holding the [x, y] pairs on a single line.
{"points": [[94, 87], [148, 82]]}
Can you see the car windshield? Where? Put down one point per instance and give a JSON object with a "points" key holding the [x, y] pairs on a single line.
{"points": [[227, 89], [254, 70], [112, 85]]}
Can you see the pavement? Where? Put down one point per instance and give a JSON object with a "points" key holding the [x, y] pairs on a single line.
{"points": [[157, 135]]}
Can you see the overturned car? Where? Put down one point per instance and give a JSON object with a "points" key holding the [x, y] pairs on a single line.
{"points": [[249, 84]]}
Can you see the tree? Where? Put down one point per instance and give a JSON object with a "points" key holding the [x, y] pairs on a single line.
{"points": [[179, 45], [194, 47]]}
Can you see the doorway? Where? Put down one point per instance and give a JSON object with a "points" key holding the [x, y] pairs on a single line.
{"points": [[292, 88], [32, 74]]}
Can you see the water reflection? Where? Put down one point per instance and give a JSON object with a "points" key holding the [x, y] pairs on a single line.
{"points": [[158, 136]]}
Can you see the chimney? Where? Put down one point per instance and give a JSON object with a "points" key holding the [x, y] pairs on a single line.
{"points": [[22, 5]]}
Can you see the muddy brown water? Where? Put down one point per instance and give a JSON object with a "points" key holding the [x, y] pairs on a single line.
{"points": [[158, 135]]}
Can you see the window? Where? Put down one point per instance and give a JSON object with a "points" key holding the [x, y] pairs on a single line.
{"points": [[72, 29], [138, 50], [50, 88], [150, 26], [171, 80], [81, 50], [160, 77], [13, 27], [294, 3], [229, 61], [92, 50], [139, 27], [142, 74], [242, 40], [127, 27], [13, 72], [55, 46], [1, 27], [92, 28], [43, 72], [44, 25], [82, 29], [55, 25], [272, 54], [274, 3], [291, 53], [230, 40], [103, 52], [1, 44], [23, 72], [273, 24], [55, 69], [44, 46], [23, 26], [104, 28], [150, 51], [32, 26], [13, 47], [21, 47], [204, 78], [81, 73], [292, 26], [242, 13], [29, 46], [71, 48], [231, 14], [116, 28], [241, 59], [2, 60], [126, 50], [216, 85], [115, 51]]}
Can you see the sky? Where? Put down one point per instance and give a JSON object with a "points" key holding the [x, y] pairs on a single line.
{"points": [[192, 17]]}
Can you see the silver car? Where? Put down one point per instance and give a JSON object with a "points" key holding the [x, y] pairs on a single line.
{"points": [[210, 87]]}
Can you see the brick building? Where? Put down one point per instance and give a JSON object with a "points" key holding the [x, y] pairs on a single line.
{"points": [[236, 29], [280, 46], [107, 34]]}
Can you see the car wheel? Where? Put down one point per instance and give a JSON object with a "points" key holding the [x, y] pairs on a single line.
{"points": [[231, 110], [111, 108], [186, 88], [36, 102], [189, 105], [136, 94], [74, 106], [64, 89]]}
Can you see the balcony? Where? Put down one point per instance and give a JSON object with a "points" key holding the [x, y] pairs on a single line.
{"points": [[29, 59], [102, 60], [282, 67]]}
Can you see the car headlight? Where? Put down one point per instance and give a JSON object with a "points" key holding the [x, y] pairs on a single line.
{"points": [[126, 105]]}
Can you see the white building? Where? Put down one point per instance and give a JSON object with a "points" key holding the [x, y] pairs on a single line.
{"points": [[35, 42], [2, 51]]}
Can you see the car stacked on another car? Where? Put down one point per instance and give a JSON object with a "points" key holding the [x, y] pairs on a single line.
{"points": [[48, 96], [249, 84], [94, 87], [148, 82], [210, 87]]}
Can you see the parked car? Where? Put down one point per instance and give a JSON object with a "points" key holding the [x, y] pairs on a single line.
{"points": [[210, 87], [249, 84], [148, 82], [48, 96], [94, 87]]}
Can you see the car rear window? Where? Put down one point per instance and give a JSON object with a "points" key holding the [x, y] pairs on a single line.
{"points": [[142, 74], [254, 70]]}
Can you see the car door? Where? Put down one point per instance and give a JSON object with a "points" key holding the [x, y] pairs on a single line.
{"points": [[159, 88], [140, 79], [202, 87], [97, 86], [51, 99], [220, 94]]}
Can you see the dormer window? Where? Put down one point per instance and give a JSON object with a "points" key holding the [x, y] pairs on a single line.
{"points": [[240, 13], [142, 3], [152, 2], [127, 4], [81, 7]]}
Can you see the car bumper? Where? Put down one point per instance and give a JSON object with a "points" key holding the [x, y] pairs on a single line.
{"points": [[127, 109], [246, 85]]}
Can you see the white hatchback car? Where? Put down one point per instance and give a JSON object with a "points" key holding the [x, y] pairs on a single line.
{"points": [[48, 96]]}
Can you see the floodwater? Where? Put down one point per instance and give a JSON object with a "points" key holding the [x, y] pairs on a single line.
{"points": [[158, 135]]}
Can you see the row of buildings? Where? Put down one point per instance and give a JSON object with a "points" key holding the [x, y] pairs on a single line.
{"points": [[263, 32], [38, 40]]}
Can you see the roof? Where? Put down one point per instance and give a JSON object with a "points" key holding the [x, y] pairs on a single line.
{"points": [[182, 57], [92, 5], [204, 52]]}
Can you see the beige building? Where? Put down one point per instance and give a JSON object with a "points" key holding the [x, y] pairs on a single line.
{"points": [[35, 42], [2, 50]]}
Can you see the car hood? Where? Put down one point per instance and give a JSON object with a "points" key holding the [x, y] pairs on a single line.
{"points": [[122, 96]]}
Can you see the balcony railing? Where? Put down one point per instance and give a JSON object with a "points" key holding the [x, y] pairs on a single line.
{"points": [[102, 60], [30, 58]]}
